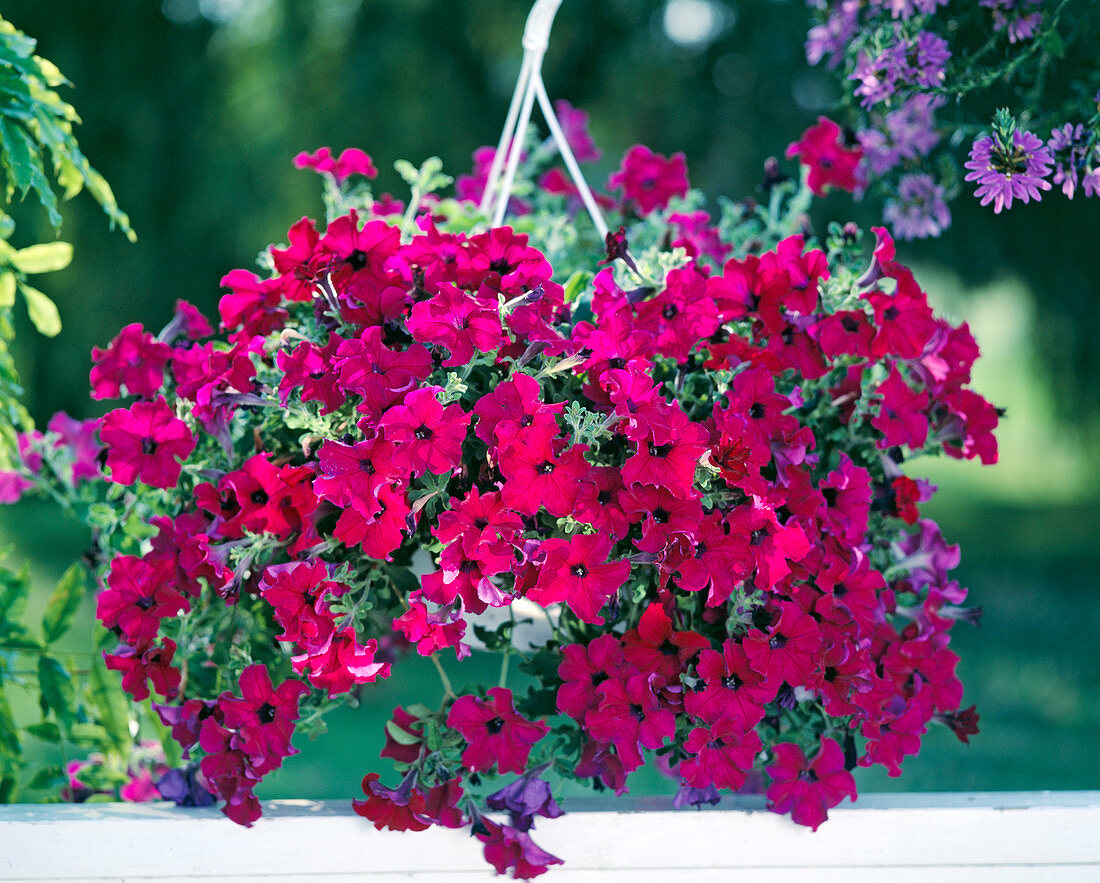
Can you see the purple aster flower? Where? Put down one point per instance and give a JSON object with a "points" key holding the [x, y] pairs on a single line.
{"points": [[184, 788], [931, 54], [526, 797], [905, 133], [878, 75], [1091, 182], [919, 210], [1020, 18], [1069, 141], [1004, 173], [906, 9], [831, 38]]}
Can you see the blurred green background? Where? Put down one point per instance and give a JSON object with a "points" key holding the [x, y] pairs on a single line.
{"points": [[193, 110]]}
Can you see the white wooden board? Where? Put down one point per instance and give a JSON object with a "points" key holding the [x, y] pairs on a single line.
{"points": [[895, 837]]}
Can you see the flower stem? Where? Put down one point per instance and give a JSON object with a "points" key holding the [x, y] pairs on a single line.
{"points": [[448, 690]]}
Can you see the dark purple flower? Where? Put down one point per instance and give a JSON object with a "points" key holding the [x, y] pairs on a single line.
{"points": [[1009, 171], [526, 797], [184, 787], [689, 796]]}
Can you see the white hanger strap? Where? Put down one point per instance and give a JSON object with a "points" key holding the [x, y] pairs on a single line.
{"points": [[529, 86]]}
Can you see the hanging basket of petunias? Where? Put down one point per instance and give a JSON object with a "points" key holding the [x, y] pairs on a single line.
{"points": [[674, 454]]}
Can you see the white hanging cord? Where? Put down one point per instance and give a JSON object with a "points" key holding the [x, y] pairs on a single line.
{"points": [[570, 160], [507, 135], [529, 86]]}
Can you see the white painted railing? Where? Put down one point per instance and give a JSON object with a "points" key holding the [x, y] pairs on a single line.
{"points": [[1003, 837]]}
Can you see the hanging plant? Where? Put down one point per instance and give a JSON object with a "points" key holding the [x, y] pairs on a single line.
{"points": [[658, 470]]}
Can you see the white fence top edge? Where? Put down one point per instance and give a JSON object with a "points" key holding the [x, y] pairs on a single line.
{"points": [[280, 809]]}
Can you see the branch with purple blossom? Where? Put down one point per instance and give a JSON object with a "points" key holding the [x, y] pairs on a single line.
{"points": [[917, 77]]}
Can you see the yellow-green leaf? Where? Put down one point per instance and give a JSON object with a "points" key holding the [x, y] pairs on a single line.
{"points": [[45, 257], [42, 311], [7, 289]]}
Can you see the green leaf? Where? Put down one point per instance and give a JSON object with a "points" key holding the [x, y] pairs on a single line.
{"points": [[110, 703], [57, 690], [1055, 45], [400, 736], [90, 735], [22, 159], [101, 778], [45, 257], [47, 731], [42, 311], [403, 579], [46, 777], [63, 603], [14, 588], [9, 735]]}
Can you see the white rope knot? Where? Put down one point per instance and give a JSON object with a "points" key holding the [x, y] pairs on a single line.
{"points": [[529, 86]]}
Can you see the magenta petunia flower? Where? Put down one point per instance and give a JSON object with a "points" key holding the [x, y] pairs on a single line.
{"points": [[133, 362], [720, 755], [264, 715], [495, 734], [427, 435], [576, 571], [144, 441], [831, 163], [140, 593], [1009, 171], [807, 789], [352, 161], [630, 716], [650, 180]]}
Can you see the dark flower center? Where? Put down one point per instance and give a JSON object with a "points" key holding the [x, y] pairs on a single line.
{"points": [[661, 515], [668, 648], [758, 537], [366, 466], [617, 363], [544, 468], [579, 571], [148, 446], [598, 677], [481, 523], [265, 713], [777, 642], [830, 495], [660, 450], [890, 313], [670, 311], [849, 323], [500, 265], [144, 603], [423, 433], [494, 725], [357, 259], [807, 776], [259, 497], [638, 712], [731, 682], [756, 411]]}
